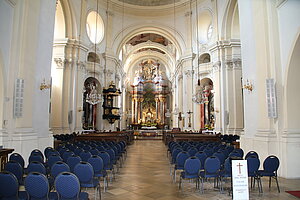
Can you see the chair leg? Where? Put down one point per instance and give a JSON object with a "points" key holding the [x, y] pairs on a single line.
{"points": [[270, 182], [277, 184], [202, 185], [174, 175], [104, 184], [221, 189], [180, 183]]}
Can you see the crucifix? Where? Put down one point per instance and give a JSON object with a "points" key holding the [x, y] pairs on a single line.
{"points": [[190, 123], [239, 165]]}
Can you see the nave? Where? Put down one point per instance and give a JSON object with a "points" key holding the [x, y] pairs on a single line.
{"points": [[145, 175]]}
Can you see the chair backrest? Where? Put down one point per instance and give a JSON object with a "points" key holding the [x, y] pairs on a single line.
{"points": [[35, 157], [36, 166], [221, 157], [53, 159], [37, 186], [202, 157], [97, 163], [181, 158], [111, 153], [174, 154], [84, 171], [100, 148], [15, 168], [9, 185], [212, 165], [253, 164], [67, 186], [251, 153], [52, 152], [105, 158], [37, 151], [229, 149], [47, 150], [73, 161], [235, 154], [85, 155], [87, 147], [78, 150], [17, 157], [271, 164], [192, 151], [66, 155], [58, 168], [192, 165], [94, 151], [62, 150], [227, 166], [241, 152], [209, 151]]}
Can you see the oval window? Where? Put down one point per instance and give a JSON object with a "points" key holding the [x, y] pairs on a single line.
{"points": [[95, 27]]}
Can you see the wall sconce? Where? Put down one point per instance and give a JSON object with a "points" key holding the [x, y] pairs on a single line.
{"points": [[44, 85], [248, 86]]}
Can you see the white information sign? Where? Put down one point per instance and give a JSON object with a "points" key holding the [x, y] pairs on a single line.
{"points": [[240, 188]]}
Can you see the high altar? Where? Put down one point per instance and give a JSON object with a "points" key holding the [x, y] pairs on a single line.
{"points": [[149, 96]]}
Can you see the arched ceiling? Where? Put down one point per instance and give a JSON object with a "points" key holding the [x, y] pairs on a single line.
{"points": [[150, 2]]}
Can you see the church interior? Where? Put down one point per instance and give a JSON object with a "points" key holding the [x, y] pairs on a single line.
{"points": [[147, 76]]}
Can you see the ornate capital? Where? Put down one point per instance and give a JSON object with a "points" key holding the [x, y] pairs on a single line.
{"points": [[81, 65], [187, 14], [60, 62], [180, 77], [189, 73], [228, 64], [237, 63], [110, 13], [117, 76], [216, 66]]}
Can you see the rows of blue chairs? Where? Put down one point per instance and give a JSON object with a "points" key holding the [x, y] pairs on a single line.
{"points": [[229, 139], [204, 160], [87, 161]]}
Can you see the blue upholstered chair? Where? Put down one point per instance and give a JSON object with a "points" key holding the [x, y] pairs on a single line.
{"points": [[37, 187], [36, 166], [9, 187], [99, 171], [85, 155], [271, 165], [179, 164], [67, 186], [253, 164], [73, 161], [212, 166], [17, 157], [15, 168], [85, 173], [191, 170]]}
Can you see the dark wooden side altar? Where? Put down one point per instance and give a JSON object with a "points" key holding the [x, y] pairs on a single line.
{"points": [[4, 157], [116, 136], [189, 136]]}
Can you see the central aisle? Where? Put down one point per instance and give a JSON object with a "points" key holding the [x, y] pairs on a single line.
{"points": [[145, 174]]}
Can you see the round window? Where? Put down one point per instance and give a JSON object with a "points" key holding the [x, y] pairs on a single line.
{"points": [[95, 27]]}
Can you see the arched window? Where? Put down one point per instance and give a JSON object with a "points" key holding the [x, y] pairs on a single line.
{"points": [[92, 57], [205, 58], [209, 32]]}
